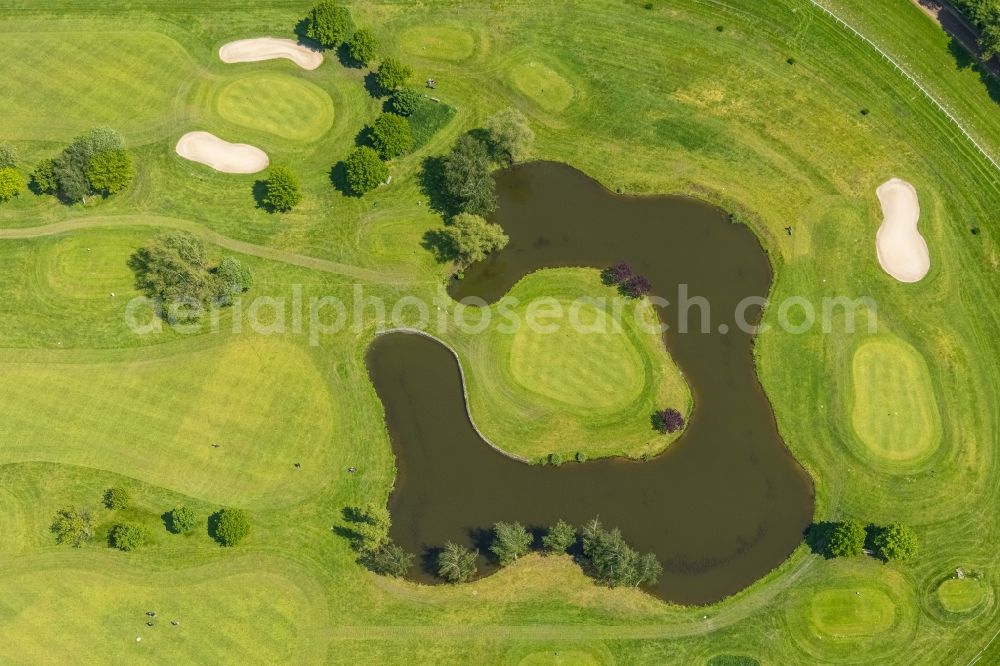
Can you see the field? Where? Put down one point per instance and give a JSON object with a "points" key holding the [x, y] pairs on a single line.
{"points": [[647, 101]]}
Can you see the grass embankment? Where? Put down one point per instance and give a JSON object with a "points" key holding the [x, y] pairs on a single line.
{"points": [[574, 374], [646, 101]]}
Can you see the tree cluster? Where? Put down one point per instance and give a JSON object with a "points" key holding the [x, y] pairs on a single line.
{"points": [[629, 283], [96, 162], [851, 538], [368, 530], [615, 563], [985, 15]]}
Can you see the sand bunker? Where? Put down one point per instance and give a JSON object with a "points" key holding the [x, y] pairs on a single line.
{"points": [[902, 251], [267, 48], [221, 155]]}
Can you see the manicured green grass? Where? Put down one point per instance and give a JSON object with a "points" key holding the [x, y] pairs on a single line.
{"points": [[961, 595], [895, 410], [572, 371], [645, 101], [278, 104]]}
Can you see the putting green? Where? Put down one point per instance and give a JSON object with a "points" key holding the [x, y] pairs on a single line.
{"points": [[850, 613], [279, 104], [543, 86], [449, 43], [88, 266], [961, 595], [574, 369], [591, 362], [894, 412], [155, 420]]}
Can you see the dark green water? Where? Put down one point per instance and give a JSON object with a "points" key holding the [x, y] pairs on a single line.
{"points": [[723, 506]]}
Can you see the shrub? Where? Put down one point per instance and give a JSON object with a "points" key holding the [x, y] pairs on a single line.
{"points": [[110, 171], [581, 456], [510, 135], [365, 170], [116, 498], [43, 178], [329, 24], [73, 526], [668, 420], [231, 526], [392, 74], [362, 45], [473, 238], [510, 541], [456, 564], [848, 539], [559, 538], [467, 177], [233, 277], [555, 459], [391, 135], [182, 520], [128, 536], [11, 183], [404, 101], [8, 156], [283, 192], [895, 542], [617, 274], [389, 560]]}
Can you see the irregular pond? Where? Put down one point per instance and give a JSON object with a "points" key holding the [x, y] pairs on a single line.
{"points": [[723, 506]]}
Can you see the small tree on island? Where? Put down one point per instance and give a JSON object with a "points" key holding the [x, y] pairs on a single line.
{"points": [[636, 286], [182, 520], [391, 135], [128, 536], [116, 498], [559, 538], [329, 24], [473, 238], [392, 74], [231, 526], [510, 541], [895, 542], [282, 190], [73, 526], [11, 183], [668, 420], [362, 45], [456, 564], [510, 135], [848, 539], [365, 170]]}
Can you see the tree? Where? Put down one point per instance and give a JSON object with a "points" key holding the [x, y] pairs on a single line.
{"points": [[391, 135], [116, 498], [456, 564], [647, 570], [392, 74], [636, 286], [8, 156], [174, 268], [510, 541], [510, 135], [559, 538], [282, 190], [467, 177], [233, 277], [369, 527], [389, 560], [231, 526], [614, 561], [405, 100], [363, 45], [472, 238], [182, 520], [11, 183], [847, 539], [110, 171], [128, 536], [43, 178], [73, 526], [365, 170], [668, 420], [896, 542], [329, 23], [617, 274]]}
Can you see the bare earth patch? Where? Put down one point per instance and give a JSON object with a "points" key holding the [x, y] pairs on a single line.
{"points": [[221, 155], [902, 251], [268, 48]]}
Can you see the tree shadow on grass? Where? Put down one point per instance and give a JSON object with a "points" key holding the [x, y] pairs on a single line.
{"points": [[303, 38], [438, 243], [260, 196], [213, 526], [432, 186], [338, 178], [373, 88], [346, 59]]}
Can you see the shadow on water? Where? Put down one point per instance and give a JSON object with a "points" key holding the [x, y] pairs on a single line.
{"points": [[723, 506]]}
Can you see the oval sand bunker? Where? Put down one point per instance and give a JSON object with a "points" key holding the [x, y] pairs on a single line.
{"points": [[268, 48], [221, 155], [902, 251]]}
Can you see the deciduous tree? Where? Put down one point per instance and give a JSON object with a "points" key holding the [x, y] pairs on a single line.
{"points": [[559, 538], [73, 526], [848, 539], [510, 135], [11, 183], [182, 520], [456, 564], [363, 45], [510, 541], [231, 526], [895, 542], [467, 177], [110, 171], [329, 23], [391, 135], [128, 536], [365, 170], [392, 74], [283, 192], [473, 238]]}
